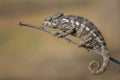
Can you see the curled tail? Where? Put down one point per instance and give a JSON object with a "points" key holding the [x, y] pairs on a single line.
{"points": [[95, 67]]}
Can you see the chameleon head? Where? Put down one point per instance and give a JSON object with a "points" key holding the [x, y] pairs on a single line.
{"points": [[52, 21]]}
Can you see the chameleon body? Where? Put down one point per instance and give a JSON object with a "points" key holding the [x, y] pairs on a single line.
{"points": [[84, 29]]}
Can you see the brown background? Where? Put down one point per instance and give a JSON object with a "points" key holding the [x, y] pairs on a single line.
{"points": [[29, 54]]}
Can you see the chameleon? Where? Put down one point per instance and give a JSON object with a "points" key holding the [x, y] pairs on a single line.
{"points": [[90, 35]]}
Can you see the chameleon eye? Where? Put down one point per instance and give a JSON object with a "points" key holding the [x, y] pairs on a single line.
{"points": [[57, 15]]}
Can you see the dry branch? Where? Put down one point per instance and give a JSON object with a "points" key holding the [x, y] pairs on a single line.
{"points": [[65, 38]]}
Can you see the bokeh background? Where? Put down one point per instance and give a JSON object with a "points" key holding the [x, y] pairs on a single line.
{"points": [[30, 54]]}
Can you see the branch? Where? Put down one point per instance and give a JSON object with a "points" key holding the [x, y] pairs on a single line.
{"points": [[46, 30], [65, 38]]}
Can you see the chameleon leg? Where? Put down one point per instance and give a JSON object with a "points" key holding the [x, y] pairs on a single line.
{"points": [[83, 44], [63, 34], [86, 39]]}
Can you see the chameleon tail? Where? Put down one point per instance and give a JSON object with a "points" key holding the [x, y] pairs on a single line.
{"points": [[95, 67]]}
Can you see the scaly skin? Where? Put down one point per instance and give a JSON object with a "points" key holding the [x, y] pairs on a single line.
{"points": [[82, 28]]}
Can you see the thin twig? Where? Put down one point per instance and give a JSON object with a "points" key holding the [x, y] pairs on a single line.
{"points": [[46, 30], [65, 38]]}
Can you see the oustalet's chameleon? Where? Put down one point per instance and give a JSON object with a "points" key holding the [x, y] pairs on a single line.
{"points": [[84, 29]]}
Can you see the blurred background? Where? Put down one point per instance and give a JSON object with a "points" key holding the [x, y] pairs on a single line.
{"points": [[30, 54]]}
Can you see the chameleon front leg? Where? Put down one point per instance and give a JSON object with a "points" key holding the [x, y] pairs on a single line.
{"points": [[63, 34]]}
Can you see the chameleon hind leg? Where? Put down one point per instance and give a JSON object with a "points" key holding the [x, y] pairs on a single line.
{"points": [[86, 39]]}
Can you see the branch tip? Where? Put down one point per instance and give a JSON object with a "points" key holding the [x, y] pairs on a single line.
{"points": [[20, 24]]}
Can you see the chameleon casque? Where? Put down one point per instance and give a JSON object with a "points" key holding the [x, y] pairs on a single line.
{"points": [[84, 29]]}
